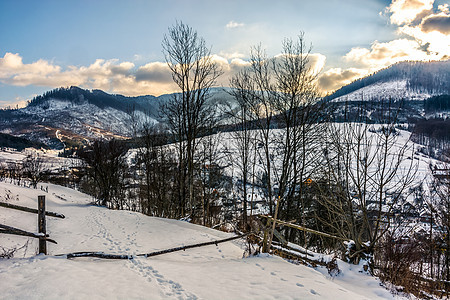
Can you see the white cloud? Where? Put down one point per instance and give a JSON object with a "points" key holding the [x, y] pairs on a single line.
{"points": [[109, 75], [231, 55], [233, 24]]}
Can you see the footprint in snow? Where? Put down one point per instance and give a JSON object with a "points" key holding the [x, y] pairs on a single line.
{"points": [[300, 285], [313, 292]]}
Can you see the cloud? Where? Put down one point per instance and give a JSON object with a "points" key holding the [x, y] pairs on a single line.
{"points": [[440, 23], [316, 61], [233, 24], [109, 75], [409, 11], [155, 72], [424, 35], [12, 67], [335, 78], [384, 54], [231, 55], [113, 76], [17, 102]]}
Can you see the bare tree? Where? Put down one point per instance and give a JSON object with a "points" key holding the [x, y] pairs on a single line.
{"points": [[157, 173], [194, 72], [367, 174], [254, 91], [106, 168], [33, 168], [299, 115], [243, 135]]}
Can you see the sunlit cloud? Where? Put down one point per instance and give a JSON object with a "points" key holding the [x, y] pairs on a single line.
{"points": [[108, 75], [113, 76], [316, 61], [233, 24], [15, 72], [424, 34], [384, 54], [409, 11], [334, 78]]}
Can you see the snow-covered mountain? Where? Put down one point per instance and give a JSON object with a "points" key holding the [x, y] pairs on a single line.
{"points": [[404, 80], [74, 115]]}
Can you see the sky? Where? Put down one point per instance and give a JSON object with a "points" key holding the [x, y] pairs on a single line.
{"points": [[115, 46]]}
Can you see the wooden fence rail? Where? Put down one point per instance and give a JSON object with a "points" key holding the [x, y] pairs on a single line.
{"points": [[155, 253], [303, 228], [16, 231], [31, 210]]}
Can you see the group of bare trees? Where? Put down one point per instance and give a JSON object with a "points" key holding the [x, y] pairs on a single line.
{"points": [[277, 93], [32, 168]]}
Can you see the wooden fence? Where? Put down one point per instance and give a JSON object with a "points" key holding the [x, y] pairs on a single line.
{"points": [[42, 230]]}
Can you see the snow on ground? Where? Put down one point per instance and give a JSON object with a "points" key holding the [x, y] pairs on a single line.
{"points": [[211, 272]]}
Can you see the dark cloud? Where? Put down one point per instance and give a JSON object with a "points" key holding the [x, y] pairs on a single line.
{"points": [[120, 70], [439, 23], [425, 48], [154, 72]]}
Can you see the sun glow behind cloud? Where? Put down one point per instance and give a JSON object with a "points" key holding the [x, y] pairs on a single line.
{"points": [[424, 34]]}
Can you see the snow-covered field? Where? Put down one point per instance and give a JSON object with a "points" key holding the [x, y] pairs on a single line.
{"points": [[211, 272]]}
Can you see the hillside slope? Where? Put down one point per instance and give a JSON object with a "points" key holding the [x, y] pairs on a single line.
{"points": [[407, 80], [210, 272]]}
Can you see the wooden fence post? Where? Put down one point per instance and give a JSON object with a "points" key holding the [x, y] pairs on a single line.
{"points": [[41, 225], [274, 223]]}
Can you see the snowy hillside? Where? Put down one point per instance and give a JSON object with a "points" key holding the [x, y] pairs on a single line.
{"points": [[211, 272], [396, 90], [74, 115], [408, 80]]}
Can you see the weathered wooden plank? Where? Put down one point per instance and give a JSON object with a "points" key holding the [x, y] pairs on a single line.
{"points": [[98, 255], [31, 210], [16, 231], [192, 246], [126, 256]]}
